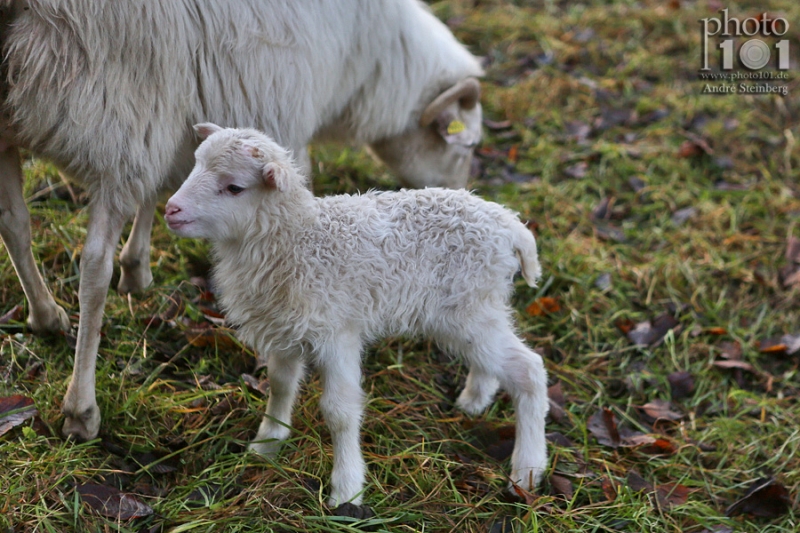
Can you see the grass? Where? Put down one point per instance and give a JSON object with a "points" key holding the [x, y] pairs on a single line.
{"points": [[626, 71]]}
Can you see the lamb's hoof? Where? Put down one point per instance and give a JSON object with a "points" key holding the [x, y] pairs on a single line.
{"points": [[265, 449], [83, 427], [53, 321], [351, 510], [134, 280], [471, 405]]}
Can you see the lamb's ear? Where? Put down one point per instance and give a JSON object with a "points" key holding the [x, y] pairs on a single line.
{"points": [[276, 176], [205, 129]]}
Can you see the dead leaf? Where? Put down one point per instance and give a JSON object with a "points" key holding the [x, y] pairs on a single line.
{"points": [[682, 215], [660, 410], [558, 438], [112, 503], [577, 130], [513, 153], [766, 498], [15, 314], [578, 170], [561, 486], [261, 387], [625, 325], [651, 334], [667, 495], [14, 410], [731, 350], [603, 281], [681, 385], [201, 337], [671, 495], [793, 250], [542, 306], [603, 426], [659, 446], [716, 331], [609, 489], [741, 365]]}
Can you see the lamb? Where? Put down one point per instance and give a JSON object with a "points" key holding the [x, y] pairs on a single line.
{"points": [[107, 90], [311, 280]]}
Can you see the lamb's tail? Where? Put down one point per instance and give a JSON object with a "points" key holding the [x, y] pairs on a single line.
{"points": [[525, 247]]}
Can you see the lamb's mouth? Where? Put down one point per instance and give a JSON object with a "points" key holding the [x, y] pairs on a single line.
{"points": [[177, 225]]}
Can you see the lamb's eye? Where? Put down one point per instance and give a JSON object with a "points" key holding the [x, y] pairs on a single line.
{"points": [[235, 189]]}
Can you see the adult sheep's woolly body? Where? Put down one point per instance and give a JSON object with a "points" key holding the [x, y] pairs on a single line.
{"points": [[381, 263], [108, 89]]}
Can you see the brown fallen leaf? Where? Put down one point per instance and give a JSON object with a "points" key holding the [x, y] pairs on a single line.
{"points": [[112, 503], [201, 337], [604, 427], [660, 410], [659, 446], [261, 387], [578, 170], [681, 385], [741, 365], [14, 410], [561, 486], [667, 495], [15, 314], [766, 498], [651, 334], [731, 350], [543, 306]]}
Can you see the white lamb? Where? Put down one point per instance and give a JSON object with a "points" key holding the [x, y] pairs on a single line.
{"points": [[311, 280]]}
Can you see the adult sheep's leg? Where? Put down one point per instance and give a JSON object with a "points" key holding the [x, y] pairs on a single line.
{"points": [[285, 372], [134, 260], [342, 404], [80, 406], [45, 315]]}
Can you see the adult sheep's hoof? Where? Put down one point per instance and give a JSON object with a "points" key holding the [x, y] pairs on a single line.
{"points": [[135, 277], [82, 426], [351, 510], [52, 321]]}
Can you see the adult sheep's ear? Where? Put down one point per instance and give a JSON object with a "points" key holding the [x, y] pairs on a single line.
{"points": [[205, 129], [456, 113], [276, 176]]}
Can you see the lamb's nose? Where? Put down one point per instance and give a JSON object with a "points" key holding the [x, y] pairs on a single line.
{"points": [[172, 209]]}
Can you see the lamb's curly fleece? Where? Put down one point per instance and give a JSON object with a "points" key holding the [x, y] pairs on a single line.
{"points": [[314, 279]]}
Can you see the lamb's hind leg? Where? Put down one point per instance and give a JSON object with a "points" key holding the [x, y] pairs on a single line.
{"points": [[521, 372], [478, 392], [45, 316], [285, 372]]}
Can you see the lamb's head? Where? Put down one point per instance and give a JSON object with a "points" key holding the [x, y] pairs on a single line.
{"points": [[437, 152], [237, 172]]}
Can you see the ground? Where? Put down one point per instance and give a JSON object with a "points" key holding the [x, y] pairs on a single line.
{"points": [[665, 215]]}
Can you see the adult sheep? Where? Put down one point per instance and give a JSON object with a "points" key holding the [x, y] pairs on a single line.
{"points": [[108, 90]]}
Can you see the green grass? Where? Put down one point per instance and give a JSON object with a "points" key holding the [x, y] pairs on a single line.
{"points": [[430, 467]]}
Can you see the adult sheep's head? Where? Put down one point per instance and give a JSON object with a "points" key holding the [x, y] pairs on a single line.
{"points": [[438, 153], [236, 170]]}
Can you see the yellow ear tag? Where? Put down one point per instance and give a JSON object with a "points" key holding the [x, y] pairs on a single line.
{"points": [[455, 127]]}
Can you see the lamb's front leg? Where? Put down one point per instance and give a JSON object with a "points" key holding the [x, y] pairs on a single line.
{"points": [[285, 371], [342, 405]]}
